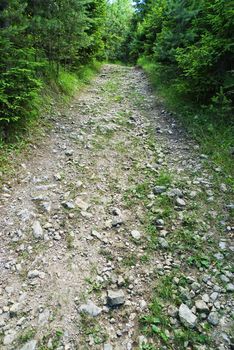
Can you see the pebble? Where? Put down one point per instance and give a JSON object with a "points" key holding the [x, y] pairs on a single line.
{"points": [[31, 345], [187, 317], [180, 202], [201, 306], [115, 298], [90, 308], [213, 318], [37, 230], [136, 234]]}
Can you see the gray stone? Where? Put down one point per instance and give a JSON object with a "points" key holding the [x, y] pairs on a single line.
{"points": [[187, 317], [115, 298], [201, 306], [136, 234], [230, 287], [37, 230], [14, 309], [180, 202], [68, 205], [90, 308], [107, 347], [159, 189], [10, 337], [175, 192], [117, 221], [31, 345], [81, 204], [33, 274], [44, 317], [163, 242], [213, 318]]}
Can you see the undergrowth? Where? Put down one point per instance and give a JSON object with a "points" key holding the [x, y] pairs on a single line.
{"points": [[210, 125], [56, 91]]}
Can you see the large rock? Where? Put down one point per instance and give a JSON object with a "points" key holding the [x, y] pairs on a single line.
{"points": [[90, 308], [187, 317], [115, 298], [31, 345], [37, 230]]}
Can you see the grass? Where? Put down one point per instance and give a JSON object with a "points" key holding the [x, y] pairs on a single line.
{"points": [[56, 91], [213, 133]]}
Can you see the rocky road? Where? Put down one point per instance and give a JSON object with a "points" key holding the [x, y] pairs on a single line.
{"points": [[116, 232]]}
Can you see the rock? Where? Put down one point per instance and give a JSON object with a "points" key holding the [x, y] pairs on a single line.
{"points": [[115, 298], [163, 242], [10, 337], [120, 281], [81, 204], [201, 306], [117, 221], [213, 318], [230, 287], [96, 234], [219, 256], [68, 205], [90, 308], [33, 274], [172, 311], [116, 212], [37, 230], [14, 309], [159, 189], [187, 317], [136, 234], [159, 223], [180, 202], [175, 192], [44, 317], [31, 345], [107, 347]]}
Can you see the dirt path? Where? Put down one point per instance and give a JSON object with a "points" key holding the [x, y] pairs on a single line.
{"points": [[116, 202]]}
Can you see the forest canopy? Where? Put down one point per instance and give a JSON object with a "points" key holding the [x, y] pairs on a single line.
{"points": [[187, 43]]}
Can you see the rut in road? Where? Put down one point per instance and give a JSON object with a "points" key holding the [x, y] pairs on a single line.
{"points": [[114, 202]]}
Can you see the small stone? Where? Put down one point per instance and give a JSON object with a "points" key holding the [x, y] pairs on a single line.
{"points": [[90, 308], [160, 223], [68, 205], [10, 337], [201, 306], [33, 274], [172, 311], [81, 204], [187, 317], [31, 345], [107, 347], [44, 317], [159, 189], [219, 256], [230, 287], [120, 281], [213, 318], [14, 310], [117, 221], [180, 202], [163, 242], [37, 230], [96, 234], [115, 298], [136, 234]]}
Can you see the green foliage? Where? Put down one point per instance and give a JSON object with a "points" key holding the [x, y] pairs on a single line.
{"points": [[40, 40], [117, 27], [191, 42]]}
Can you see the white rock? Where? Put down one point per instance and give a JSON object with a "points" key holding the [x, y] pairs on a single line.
{"points": [[136, 234], [187, 317], [37, 230], [90, 308], [81, 204], [31, 345], [180, 202]]}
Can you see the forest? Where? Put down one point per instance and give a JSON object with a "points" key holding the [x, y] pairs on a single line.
{"points": [[185, 46]]}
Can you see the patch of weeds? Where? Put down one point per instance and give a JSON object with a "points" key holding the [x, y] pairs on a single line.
{"points": [[145, 258], [53, 338], [130, 260], [156, 322], [163, 179], [199, 260], [90, 328], [106, 253], [69, 240], [190, 337], [94, 286], [26, 336]]}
